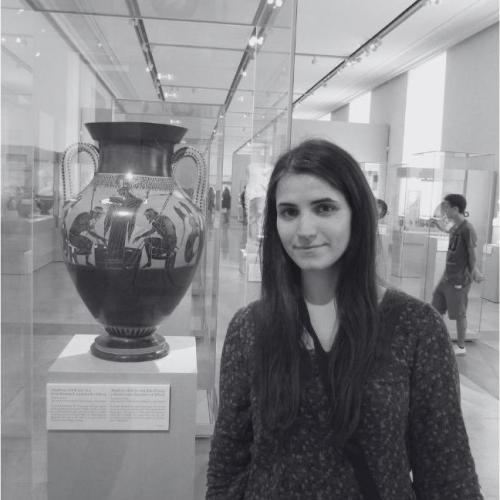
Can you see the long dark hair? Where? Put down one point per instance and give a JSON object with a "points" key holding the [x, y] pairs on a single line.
{"points": [[281, 356]]}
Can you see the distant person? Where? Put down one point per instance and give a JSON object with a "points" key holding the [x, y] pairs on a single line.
{"points": [[452, 291], [210, 204], [331, 385], [382, 267], [226, 203], [243, 204], [381, 208]]}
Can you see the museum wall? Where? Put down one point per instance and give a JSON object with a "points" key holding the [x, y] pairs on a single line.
{"points": [[470, 121], [366, 142], [340, 115], [388, 106]]}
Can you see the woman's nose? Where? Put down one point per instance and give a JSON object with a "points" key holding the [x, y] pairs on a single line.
{"points": [[306, 227]]}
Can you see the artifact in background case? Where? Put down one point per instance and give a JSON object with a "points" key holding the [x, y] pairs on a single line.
{"points": [[132, 238]]}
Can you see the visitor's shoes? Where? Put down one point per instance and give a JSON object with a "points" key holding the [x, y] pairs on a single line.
{"points": [[459, 351]]}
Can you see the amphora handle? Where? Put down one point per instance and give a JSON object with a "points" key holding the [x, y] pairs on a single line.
{"points": [[67, 160], [201, 166]]}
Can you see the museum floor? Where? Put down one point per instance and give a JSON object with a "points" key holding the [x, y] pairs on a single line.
{"points": [[55, 303]]}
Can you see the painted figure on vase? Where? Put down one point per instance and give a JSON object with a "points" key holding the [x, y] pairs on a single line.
{"points": [[163, 246], [81, 244], [120, 221]]}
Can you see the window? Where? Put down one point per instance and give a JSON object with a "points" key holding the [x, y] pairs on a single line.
{"points": [[424, 108]]}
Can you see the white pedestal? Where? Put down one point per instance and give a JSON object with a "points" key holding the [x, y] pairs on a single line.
{"points": [[126, 465], [253, 267], [490, 271], [243, 261]]}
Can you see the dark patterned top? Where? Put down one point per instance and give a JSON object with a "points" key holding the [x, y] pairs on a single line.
{"points": [[411, 421]]}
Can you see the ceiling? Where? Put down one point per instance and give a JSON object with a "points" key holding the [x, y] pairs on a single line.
{"points": [[188, 62]]}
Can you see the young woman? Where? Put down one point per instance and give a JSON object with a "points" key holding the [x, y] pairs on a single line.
{"points": [[332, 387]]}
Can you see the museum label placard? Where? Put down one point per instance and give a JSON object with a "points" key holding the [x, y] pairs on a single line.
{"points": [[126, 407]]}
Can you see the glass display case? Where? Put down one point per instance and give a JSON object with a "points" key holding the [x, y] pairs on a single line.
{"points": [[207, 68], [266, 134], [417, 243]]}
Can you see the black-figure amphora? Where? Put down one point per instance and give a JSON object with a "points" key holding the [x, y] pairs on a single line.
{"points": [[132, 238]]}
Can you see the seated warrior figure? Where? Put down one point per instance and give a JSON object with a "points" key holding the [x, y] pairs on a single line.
{"points": [[163, 247], [84, 222]]}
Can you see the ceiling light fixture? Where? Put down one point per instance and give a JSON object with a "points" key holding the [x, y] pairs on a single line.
{"points": [[368, 47], [244, 73], [255, 40], [374, 45]]}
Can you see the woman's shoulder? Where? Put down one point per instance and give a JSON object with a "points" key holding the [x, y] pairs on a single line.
{"points": [[402, 308], [243, 324]]}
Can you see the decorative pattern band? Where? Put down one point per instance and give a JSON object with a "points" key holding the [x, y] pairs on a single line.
{"points": [[129, 331], [135, 182]]}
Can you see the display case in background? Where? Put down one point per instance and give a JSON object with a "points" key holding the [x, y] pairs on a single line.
{"points": [[255, 147], [67, 65], [417, 246]]}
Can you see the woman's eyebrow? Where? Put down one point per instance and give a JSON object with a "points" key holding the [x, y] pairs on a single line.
{"points": [[324, 200]]}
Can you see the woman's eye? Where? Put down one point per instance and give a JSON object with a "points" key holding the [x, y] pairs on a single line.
{"points": [[325, 208], [288, 213]]}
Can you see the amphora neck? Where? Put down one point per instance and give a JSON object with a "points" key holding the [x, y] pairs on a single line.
{"points": [[137, 159], [138, 148]]}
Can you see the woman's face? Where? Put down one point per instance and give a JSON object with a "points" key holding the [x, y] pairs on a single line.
{"points": [[313, 220]]}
